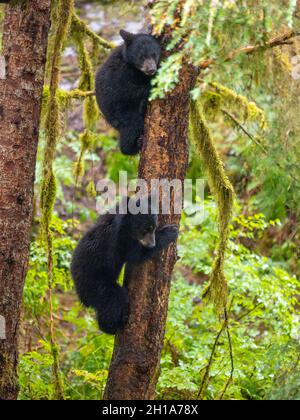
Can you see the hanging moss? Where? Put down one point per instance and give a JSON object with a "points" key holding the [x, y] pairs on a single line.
{"points": [[90, 108], [217, 291], [79, 168], [79, 31], [223, 97], [86, 82], [65, 21], [91, 190], [87, 140], [63, 16], [99, 46], [251, 112], [52, 119], [82, 30], [48, 197], [211, 103], [51, 38], [45, 106]]}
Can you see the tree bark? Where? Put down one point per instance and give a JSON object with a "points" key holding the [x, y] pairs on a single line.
{"points": [[25, 37], [134, 369]]}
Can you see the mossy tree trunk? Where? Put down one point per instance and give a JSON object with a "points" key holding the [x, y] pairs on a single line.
{"points": [[134, 367], [23, 59]]}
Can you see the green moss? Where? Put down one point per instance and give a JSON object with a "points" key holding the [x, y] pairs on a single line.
{"points": [[79, 168], [86, 83], [90, 108], [230, 100], [212, 102], [51, 38], [8, 377], [77, 94], [64, 99], [62, 12], [81, 29], [58, 382], [87, 140], [65, 21], [217, 292], [52, 113], [91, 190], [283, 60], [48, 197], [1, 24]]}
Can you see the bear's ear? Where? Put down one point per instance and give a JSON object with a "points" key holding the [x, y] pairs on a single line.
{"points": [[127, 36]]}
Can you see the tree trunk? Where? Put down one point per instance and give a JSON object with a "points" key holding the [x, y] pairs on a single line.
{"points": [[22, 64], [134, 368]]}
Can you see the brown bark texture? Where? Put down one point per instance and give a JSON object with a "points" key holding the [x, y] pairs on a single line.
{"points": [[22, 63], [134, 368]]}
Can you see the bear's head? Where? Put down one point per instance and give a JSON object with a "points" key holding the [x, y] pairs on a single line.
{"points": [[140, 219], [142, 51], [143, 228]]}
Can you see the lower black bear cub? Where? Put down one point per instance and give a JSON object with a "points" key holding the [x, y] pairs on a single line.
{"points": [[97, 262], [123, 86]]}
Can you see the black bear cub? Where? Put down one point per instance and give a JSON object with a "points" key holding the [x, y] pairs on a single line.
{"points": [[123, 86], [115, 240]]}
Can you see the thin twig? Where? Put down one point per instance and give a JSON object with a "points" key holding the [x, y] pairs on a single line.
{"points": [[253, 138], [205, 379], [249, 312], [230, 379], [258, 143]]}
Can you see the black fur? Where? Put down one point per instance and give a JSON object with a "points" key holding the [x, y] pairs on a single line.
{"points": [[123, 87], [100, 255]]}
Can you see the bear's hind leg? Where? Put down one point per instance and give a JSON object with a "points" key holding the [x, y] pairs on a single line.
{"points": [[112, 308], [131, 136]]}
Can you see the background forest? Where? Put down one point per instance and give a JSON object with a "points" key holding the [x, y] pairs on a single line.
{"points": [[250, 103]]}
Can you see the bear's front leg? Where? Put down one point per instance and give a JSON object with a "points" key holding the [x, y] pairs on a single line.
{"points": [[164, 236]]}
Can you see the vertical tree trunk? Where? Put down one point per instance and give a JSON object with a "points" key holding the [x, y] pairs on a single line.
{"points": [[134, 368], [23, 59]]}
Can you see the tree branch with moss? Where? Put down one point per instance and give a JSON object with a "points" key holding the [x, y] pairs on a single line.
{"points": [[82, 29], [280, 40]]}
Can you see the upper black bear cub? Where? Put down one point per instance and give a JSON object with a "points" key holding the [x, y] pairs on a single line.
{"points": [[100, 255], [123, 87]]}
